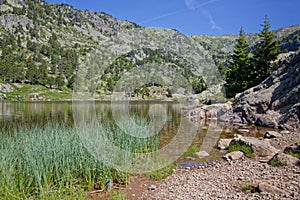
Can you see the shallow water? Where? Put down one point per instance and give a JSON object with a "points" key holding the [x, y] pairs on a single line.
{"points": [[176, 133]]}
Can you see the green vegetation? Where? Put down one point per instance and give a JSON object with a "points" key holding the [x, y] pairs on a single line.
{"points": [[248, 188], [118, 195], [276, 163], [243, 71], [162, 173], [238, 71], [265, 53], [235, 146], [51, 162], [191, 151], [44, 93]]}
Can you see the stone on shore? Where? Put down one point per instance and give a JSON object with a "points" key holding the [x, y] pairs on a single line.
{"points": [[285, 159], [236, 155], [223, 144], [262, 149], [272, 134], [267, 188]]}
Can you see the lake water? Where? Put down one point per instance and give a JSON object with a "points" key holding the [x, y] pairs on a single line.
{"points": [[166, 117]]}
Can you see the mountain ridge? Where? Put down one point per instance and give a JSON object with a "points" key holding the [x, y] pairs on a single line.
{"points": [[66, 40]]}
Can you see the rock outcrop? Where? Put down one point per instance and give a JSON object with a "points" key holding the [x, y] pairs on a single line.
{"points": [[276, 101]]}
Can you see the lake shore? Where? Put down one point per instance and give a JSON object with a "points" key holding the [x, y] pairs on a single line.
{"points": [[232, 180]]}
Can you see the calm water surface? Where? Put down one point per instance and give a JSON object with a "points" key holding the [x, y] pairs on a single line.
{"points": [[14, 114]]}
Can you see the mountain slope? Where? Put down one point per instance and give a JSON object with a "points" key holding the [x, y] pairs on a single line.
{"points": [[58, 46]]}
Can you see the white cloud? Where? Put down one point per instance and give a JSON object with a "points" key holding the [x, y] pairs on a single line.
{"points": [[213, 24], [191, 4]]}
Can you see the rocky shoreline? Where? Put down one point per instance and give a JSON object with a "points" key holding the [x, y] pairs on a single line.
{"points": [[244, 178]]}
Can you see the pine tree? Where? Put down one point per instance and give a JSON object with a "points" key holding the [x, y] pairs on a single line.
{"points": [[265, 53], [238, 69]]}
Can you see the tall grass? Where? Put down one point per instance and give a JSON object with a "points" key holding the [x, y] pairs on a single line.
{"points": [[52, 163]]}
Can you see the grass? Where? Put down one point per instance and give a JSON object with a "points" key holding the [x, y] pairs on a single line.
{"points": [[248, 151], [248, 188], [42, 91], [118, 195], [276, 163], [162, 173], [296, 155], [191, 151], [52, 163]]}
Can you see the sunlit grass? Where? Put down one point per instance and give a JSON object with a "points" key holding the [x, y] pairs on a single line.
{"points": [[52, 162]]}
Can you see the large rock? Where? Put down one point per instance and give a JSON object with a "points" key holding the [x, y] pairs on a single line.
{"points": [[236, 155], [272, 134], [209, 111], [285, 159], [6, 88], [275, 102], [294, 148], [223, 144], [262, 149], [267, 188]]}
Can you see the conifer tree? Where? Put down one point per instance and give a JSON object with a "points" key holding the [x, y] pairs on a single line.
{"points": [[238, 69], [265, 53]]}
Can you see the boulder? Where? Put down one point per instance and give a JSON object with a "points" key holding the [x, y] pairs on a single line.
{"points": [[294, 148], [236, 155], [223, 143], [262, 149], [267, 188], [272, 134], [285, 158], [202, 154]]}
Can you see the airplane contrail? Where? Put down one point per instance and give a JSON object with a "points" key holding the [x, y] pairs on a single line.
{"points": [[177, 12]]}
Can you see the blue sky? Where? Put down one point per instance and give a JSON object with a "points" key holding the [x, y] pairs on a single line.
{"points": [[213, 17]]}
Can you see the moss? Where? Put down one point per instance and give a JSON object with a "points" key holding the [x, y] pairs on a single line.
{"points": [[247, 150]]}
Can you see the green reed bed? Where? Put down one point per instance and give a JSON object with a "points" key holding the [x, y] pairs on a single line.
{"points": [[52, 162]]}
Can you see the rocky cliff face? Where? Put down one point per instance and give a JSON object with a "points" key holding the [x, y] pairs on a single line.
{"points": [[276, 101]]}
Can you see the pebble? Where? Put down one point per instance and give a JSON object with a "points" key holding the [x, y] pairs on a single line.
{"points": [[224, 180]]}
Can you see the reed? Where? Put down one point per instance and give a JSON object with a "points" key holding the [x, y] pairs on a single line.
{"points": [[51, 162]]}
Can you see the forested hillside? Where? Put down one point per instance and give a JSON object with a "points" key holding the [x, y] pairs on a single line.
{"points": [[57, 47]]}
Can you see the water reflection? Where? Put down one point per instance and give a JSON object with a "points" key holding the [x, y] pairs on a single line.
{"points": [[166, 118]]}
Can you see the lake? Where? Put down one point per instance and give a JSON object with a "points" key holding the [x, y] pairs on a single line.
{"points": [[165, 118]]}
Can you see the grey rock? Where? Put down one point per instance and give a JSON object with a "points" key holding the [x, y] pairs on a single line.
{"points": [[272, 134], [152, 187], [262, 148], [294, 148], [274, 102], [223, 143], [285, 158], [285, 132], [202, 154], [267, 188], [236, 155], [243, 130]]}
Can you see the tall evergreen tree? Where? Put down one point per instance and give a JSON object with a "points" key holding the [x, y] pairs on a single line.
{"points": [[238, 69], [266, 51]]}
